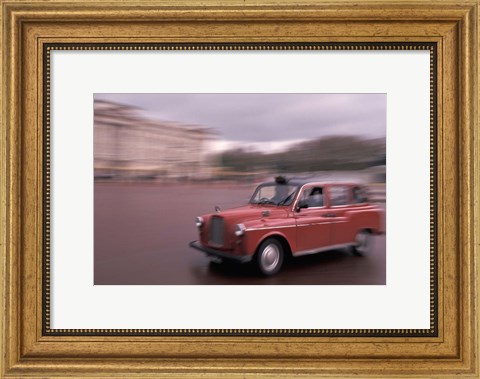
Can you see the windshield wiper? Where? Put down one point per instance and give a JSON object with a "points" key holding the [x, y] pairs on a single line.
{"points": [[282, 202]]}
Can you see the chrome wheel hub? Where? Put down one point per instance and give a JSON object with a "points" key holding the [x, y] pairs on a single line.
{"points": [[362, 242], [270, 257]]}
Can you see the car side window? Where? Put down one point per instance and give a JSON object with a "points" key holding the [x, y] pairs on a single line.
{"points": [[313, 197], [339, 195], [359, 195]]}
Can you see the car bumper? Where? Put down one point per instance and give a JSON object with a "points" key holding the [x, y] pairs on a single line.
{"points": [[220, 254]]}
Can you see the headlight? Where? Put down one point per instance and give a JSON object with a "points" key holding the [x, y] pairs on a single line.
{"points": [[239, 230], [199, 222]]}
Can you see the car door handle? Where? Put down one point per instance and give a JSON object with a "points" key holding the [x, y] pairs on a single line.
{"points": [[329, 215]]}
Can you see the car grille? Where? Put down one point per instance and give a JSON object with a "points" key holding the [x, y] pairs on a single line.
{"points": [[217, 231]]}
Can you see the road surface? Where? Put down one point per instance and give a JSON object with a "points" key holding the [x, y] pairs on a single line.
{"points": [[142, 231]]}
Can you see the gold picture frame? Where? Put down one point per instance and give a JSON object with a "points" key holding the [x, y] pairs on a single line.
{"points": [[30, 29]]}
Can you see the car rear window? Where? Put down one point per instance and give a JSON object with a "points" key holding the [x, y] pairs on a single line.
{"points": [[339, 195]]}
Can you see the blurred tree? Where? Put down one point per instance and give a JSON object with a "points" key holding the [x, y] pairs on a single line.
{"points": [[327, 153]]}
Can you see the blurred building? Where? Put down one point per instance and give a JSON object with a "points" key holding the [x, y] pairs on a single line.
{"points": [[129, 145]]}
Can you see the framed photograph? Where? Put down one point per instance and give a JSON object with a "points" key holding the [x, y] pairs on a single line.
{"points": [[280, 143], [242, 189]]}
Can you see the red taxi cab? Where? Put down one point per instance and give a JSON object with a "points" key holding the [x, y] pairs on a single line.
{"points": [[291, 218]]}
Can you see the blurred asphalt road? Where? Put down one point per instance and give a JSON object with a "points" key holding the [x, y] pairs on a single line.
{"points": [[142, 231]]}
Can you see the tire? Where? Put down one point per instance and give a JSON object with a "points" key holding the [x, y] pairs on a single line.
{"points": [[363, 243], [269, 257]]}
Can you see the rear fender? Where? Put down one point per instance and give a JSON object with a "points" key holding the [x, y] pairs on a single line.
{"points": [[367, 220]]}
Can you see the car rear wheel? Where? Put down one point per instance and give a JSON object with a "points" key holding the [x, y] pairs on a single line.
{"points": [[270, 257], [363, 243]]}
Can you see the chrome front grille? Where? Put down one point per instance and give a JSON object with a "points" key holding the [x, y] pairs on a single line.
{"points": [[216, 231]]}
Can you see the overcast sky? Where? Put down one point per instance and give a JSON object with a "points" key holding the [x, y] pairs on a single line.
{"points": [[267, 117]]}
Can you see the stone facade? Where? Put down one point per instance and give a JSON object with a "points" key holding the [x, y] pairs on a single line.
{"points": [[129, 145]]}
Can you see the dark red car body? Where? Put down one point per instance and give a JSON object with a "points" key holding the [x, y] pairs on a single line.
{"points": [[343, 217]]}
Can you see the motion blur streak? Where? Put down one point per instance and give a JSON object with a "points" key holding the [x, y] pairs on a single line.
{"points": [[160, 160]]}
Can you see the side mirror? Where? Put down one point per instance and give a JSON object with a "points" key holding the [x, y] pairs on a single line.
{"points": [[301, 205]]}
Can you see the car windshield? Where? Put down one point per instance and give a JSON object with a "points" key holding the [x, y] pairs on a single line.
{"points": [[274, 193]]}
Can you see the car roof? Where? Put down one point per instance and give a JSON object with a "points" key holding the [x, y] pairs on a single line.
{"points": [[316, 181]]}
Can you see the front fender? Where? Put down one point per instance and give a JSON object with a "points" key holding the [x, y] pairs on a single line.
{"points": [[255, 236]]}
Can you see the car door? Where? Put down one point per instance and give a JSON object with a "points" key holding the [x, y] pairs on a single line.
{"points": [[339, 206], [313, 223]]}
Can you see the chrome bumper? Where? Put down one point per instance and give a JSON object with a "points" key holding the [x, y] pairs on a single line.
{"points": [[220, 254]]}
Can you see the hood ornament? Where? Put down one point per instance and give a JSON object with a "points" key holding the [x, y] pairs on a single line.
{"points": [[217, 209]]}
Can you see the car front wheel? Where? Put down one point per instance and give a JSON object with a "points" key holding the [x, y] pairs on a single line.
{"points": [[363, 243], [270, 257]]}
